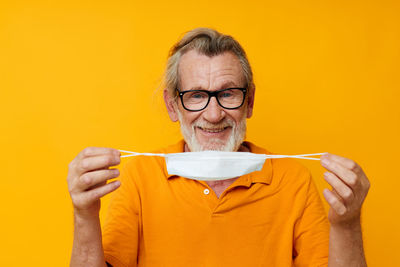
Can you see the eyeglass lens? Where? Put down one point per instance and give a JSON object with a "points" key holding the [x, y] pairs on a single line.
{"points": [[196, 100]]}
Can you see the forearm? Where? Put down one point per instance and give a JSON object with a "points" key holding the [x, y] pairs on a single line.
{"points": [[346, 246], [87, 249]]}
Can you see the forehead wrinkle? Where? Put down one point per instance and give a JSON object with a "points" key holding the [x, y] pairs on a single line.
{"points": [[226, 82], [210, 73], [227, 74], [197, 73], [222, 84]]}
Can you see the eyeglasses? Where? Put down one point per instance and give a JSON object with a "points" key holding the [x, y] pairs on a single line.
{"points": [[197, 100]]}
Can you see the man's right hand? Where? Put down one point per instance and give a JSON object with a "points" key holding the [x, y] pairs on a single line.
{"points": [[87, 179]]}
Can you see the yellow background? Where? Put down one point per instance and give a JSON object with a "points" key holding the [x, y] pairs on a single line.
{"points": [[85, 73]]}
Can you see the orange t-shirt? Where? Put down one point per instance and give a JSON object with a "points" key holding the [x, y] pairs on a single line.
{"points": [[272, 217]]}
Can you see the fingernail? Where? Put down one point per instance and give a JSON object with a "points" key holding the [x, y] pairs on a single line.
{"points": [[324, 162], [325, 192]]}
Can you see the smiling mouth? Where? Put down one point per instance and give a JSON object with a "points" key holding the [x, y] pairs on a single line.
{"points": [[210, 130]]}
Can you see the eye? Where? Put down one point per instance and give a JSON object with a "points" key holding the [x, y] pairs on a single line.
{"points": [[226, 94], [198, 95]]}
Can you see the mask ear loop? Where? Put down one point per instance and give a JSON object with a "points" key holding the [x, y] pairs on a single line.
{"points": [[131, 154], [302, 156]]}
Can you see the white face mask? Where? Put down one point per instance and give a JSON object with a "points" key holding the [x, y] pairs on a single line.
{"points": [[215, 165]]}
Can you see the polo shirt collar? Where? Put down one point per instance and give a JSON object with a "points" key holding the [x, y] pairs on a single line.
{"points": [[262, 176]]}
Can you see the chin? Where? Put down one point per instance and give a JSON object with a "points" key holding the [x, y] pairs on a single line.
{"points": [[218, 145], [214, 144]]}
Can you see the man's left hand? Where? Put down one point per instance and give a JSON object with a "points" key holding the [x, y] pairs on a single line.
{"points": [[350, 186]]}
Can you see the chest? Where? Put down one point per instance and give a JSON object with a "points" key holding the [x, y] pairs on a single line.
{"points": [[220, 186], [241, 223]]}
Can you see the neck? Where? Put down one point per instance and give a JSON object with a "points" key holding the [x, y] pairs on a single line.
{"points": [[220, 186]]}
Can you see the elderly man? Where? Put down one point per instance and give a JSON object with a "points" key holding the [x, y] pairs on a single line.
{"points": [[273, 217]]}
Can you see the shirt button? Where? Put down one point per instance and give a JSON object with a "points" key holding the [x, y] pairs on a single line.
{"points": [[206, 191]]}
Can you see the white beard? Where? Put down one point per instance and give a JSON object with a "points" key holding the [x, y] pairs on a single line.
{"points": [[233, 143]]}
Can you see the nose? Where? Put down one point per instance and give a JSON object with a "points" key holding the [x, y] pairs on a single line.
{"points": [[214, 113]]}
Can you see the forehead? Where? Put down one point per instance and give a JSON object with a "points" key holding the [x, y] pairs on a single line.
{"points": [[198, 71]]}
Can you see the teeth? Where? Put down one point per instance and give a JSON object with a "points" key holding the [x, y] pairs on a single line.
{"points": [[213, 130]]}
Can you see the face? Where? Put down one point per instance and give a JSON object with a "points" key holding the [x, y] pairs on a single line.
{"points": [[213, 128]]}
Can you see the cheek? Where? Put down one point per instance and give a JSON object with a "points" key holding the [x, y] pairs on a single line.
{"points": [[188, 118], [238, 115]]}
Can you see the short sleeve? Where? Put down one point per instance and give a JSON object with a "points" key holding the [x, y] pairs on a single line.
{"points": [[122, 225], [311, 233]]}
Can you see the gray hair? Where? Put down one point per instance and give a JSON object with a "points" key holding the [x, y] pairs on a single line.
{"points": [[208, 42]]}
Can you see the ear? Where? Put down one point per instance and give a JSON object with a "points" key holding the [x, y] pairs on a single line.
{"points": [[171, 106], [250, 102]]}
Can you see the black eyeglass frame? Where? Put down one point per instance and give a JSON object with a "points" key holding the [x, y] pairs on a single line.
{"points": [[212, 94]]}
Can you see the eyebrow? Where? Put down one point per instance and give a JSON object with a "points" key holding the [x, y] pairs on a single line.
{"points": [[225, 85]]}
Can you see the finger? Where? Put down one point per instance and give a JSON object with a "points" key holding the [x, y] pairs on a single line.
{"points": [[334, 202], [87, 153], [343, 191], [90, 179], [347, 176], [97, 151], [101, 191], [97, 162], [345, 162]]}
